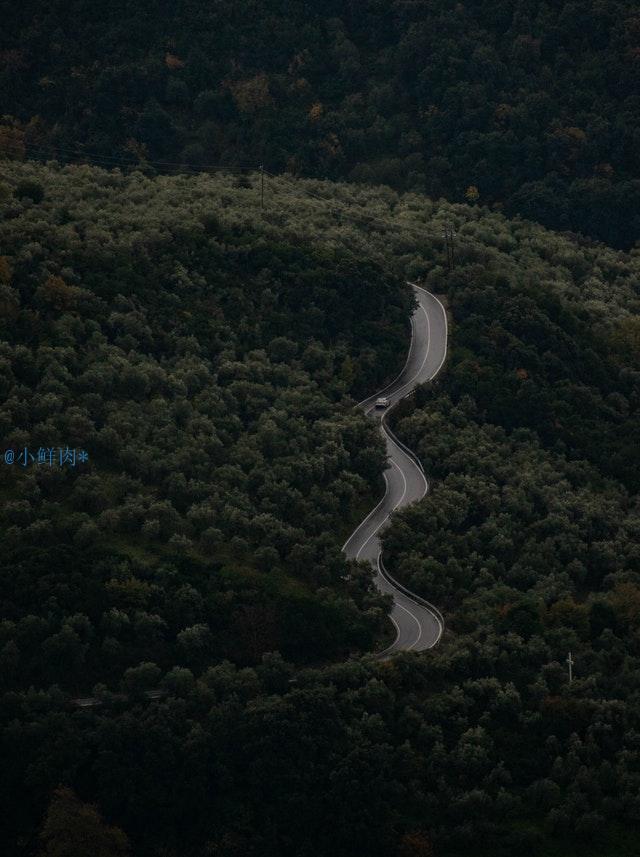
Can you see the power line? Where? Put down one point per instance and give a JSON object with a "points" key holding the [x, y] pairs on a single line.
{"points": [[344, 211], [449, 236], [52, 152]]}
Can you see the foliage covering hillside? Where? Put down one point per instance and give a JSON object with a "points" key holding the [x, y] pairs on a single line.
{"points": [[532, 103], [203, 367], [528, 540], [143, 315]]}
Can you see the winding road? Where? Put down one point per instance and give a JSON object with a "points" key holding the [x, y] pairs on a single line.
{"points": [[418, 623]]}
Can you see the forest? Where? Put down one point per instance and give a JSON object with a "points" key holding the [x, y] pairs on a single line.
{"points": [[187, 580], [183, 353], [527, 106]]}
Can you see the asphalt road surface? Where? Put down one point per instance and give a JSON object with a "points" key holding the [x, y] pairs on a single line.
{"points": [[419, 625]]}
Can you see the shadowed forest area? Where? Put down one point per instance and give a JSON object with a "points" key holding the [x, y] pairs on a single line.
{"points": [[526, 105], [208, 353], [210, 215]]}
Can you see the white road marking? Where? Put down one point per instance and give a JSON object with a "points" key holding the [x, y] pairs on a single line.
{"points": [[433, 612], [396, 603], [371, 513], [388, 515], [426, 357], [411, 380], [446, 327], [424, 478], [418, 623], [406, 362], [395, 445]]}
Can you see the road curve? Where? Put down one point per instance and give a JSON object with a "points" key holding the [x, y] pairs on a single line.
{"points": [[419, 625]]}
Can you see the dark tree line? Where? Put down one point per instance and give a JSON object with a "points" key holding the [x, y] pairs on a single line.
{"points": [[528, 540], [206, 370], [189, 578], [529, 105]]}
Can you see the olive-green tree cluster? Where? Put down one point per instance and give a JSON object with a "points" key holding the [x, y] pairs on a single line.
{"points": [[175, 315], [527, 105], [528, 541], [206, 370], [482, 746]]}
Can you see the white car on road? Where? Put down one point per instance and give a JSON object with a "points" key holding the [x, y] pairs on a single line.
{"points": [[382, 402]]}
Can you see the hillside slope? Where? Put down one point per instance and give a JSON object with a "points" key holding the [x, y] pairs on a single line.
{"points": [[532, 104], [203, 367], [207, 354]]}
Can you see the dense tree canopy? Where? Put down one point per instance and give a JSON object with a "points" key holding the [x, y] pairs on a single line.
{"points": [[527, 105], [188, 577], [205, 369], [528, 538]]}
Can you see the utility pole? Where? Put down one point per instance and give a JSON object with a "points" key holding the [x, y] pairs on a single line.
{"points": [[570, 661], [452, 236], [449, 235], [261, 185], [445, 235]]}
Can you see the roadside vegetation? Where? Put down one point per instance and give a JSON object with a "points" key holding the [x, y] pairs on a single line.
{"points": [[207, 353], [528, 106]]}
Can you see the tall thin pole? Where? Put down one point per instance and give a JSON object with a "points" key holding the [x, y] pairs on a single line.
{"points": [[446, 247], [452, 236], [261, 185], [449, 235], [570, 661]]}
